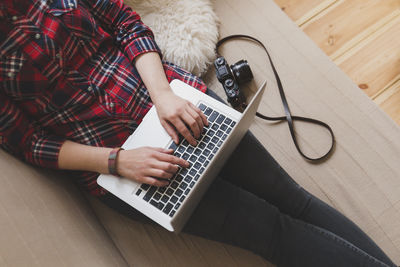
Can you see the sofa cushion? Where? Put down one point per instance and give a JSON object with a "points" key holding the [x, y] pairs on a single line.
{"points": [[361, 179], [45, 221]]}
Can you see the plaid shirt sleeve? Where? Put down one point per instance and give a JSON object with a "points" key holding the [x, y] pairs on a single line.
{"points": [[22, 138], [132, 36]]}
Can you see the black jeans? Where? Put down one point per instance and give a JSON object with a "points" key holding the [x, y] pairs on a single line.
{"points": [[254, 204]]}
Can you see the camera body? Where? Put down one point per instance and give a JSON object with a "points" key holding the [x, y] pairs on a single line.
{"points": [[231, 77]]}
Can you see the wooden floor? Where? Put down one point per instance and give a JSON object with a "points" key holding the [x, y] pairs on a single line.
{"points": [[362, 37]]}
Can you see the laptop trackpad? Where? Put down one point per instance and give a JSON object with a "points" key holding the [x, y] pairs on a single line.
{"points": [[149, 133]]}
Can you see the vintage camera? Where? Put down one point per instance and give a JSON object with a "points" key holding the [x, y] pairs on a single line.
{"points": [[231, 77]]}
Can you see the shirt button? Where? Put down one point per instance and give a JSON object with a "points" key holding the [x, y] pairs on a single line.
{"points": [[71, 4], [37, 36], [58, 55], [10, 74], [14, 18], [90, 88], [112, 105]]}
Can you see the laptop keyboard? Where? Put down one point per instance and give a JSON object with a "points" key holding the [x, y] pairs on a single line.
{"points": [[168, 199]]}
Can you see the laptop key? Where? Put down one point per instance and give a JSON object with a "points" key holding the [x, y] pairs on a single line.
{"points": [[181, 149], [162, 189], [168, 208], [182, 198], [208, 111], [193, 158], [220, 119], [172, 213], [197, 166], [145, 186], [202, 107], [187, 191], [206, 163], [174, 199], [177, 205], [197, 152], [202, 145], [219, 133], [173, 146], [202, 159], [183, 185], [214, 127], [174, 185], [138, 192], [228, 121], [150, 193], [214, 139], [179, 192], [219, 143], [179, 178], [206, 152], [213, 116], [188, 178], [223, 127], [169, 192], [190, 149], [233, 123], [164, 199], [228, 130], [192, 184], [197, 176], [156, 204], [211, 133], [192, 172], [215, 150], [224, 136], [185, 156], [157, 196], [210, 146]]}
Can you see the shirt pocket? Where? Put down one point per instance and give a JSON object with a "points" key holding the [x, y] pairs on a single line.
{"points": [[78, 20], [20, 80]]}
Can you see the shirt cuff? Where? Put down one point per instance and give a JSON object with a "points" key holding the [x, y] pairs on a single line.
{"points": [[45, 151], [140, 46]]}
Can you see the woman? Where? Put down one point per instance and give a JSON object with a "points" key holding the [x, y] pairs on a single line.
{"points": [[77, 79]]}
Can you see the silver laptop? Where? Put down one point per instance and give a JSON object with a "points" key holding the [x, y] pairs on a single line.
{"points": [[171, 206]]}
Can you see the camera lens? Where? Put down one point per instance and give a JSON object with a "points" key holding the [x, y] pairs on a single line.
{"points": [[220, 61], [229, 83], [242, 72]]}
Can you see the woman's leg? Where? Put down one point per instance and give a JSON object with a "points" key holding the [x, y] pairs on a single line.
{"points": [[252, 168], [229, 214]]}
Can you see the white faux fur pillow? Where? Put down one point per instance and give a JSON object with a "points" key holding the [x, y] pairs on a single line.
{"points": [[185, 30]]}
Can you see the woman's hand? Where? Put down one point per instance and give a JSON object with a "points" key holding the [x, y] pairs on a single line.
{"points": [[177, 114], [154, 166]]}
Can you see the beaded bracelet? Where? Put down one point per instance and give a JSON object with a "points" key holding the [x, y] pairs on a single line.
{"points": [[112, 161]]}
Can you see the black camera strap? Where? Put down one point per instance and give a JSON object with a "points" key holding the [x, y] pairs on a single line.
{"points": [[289, 118]]}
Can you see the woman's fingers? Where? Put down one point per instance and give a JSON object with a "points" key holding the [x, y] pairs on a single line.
{"points": [[200, 113], [171, 131], [167, 157], [153, 181], [184, 131]]}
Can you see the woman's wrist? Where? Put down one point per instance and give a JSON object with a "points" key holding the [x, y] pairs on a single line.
{"points": [[75, 156]]}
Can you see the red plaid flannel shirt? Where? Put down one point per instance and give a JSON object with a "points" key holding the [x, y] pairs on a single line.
{"points": [[67, 73]]}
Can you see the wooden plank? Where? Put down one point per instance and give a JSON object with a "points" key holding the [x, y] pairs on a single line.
{"points": [[389, 101], [374, 63], [302, 10], [346, 20]]}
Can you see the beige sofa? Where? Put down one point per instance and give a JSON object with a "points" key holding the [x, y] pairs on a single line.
{"points": [[46, 221]]}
